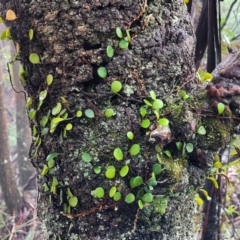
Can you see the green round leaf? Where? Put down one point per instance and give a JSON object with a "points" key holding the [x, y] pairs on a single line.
{"points": [[29, 102], [49, 79], [116, 86], [183, 95], [79, 113], [130, 135], [152, 182], [123, 44], [86, 157], [44, 121], [118, 154], [201, 130], [30, 34], [143, 111], [156, 168], [147, 197], [110, 172], [129, 198], [179, 145], [32, 114], [135, 149], [147, 102], [145, 123], [69, 126], [163, 121], [51, 156], [136, 182], [51, 163], [112, 191], [34, 58], [89, 113], [157, 104], [119, 32], [220, 108], [140, 204], [102, 72], [189, 147], [168, 153], [57, 109], [109, 112], [124, 171], [42, 95], [99, 192], [117, 196], [110, 51], [97, 170], [45, 170], [152, 95]]}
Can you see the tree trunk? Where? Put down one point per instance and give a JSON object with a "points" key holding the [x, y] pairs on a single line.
{"points": [[11, 195], [71, 38], [22, 127]]}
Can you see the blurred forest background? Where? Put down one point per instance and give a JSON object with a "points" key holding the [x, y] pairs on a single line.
{"points": [[17, 173]]}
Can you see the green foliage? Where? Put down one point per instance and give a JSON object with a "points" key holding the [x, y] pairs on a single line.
{"points": [[57, 109], [118, 154], [183, 95], [98, 192], [116, 86], [42, 95], [143, 111], [140, 204], [135, 149], [189, 147], [110, 172], [179, 145], [130, 135], [34, 58], [97, 170], [147, 197], [30, 34], [109, 112], [220, 108], [78, 113], [156, 168], [168, 153], [45, 170], [201, 130], [86, 157], [145, 123], [89, 113], [49, 79], [136, 182], [163, 121], [124, 171], [123, 44], [69, 127], [102, 72], [117, 196], [119, 32], [110, 51], [129, 198], [112, 191], [73, 201], [157, 104]]}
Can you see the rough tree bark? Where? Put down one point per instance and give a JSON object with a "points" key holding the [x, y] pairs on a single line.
{"points": [[71, 38]]}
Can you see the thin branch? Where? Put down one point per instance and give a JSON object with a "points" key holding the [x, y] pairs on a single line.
{"points": [[228, 14]]}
